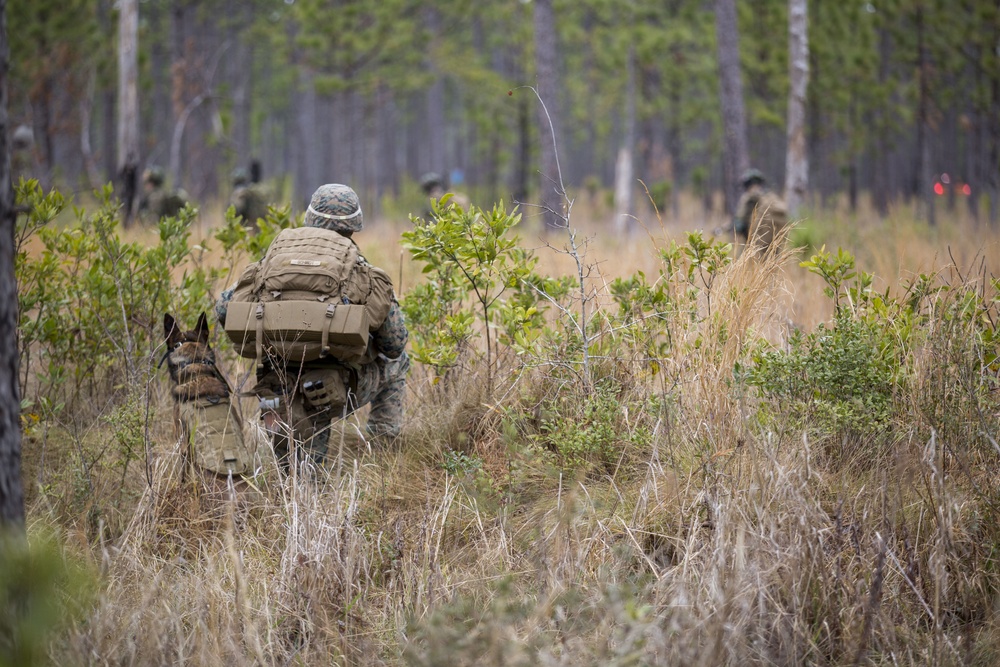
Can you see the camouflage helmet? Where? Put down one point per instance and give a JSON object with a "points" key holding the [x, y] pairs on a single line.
{"points": [[335, 207], [240, 176], [751, 176], [431, 180], [153, 175]]}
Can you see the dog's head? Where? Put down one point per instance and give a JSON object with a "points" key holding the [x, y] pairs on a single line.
{"points": [[187, 349]]}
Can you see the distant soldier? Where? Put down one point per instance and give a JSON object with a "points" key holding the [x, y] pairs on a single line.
{"points": [[157, 201], [760, 213], [435, 187], [248, 199]]}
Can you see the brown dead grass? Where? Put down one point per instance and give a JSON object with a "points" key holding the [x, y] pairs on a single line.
{"points": [[721, 543]]}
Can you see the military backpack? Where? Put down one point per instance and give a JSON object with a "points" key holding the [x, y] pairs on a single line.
{"points": [[311, 297]]}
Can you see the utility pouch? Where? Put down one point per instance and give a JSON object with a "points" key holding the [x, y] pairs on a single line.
{"points": [[315, 392], [324, 389]]}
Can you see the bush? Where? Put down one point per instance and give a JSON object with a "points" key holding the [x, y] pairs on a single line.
{"points": [[41, 592], [844, 377]]}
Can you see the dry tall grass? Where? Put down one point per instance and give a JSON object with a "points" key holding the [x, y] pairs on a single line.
{"points": [[723, 538]]}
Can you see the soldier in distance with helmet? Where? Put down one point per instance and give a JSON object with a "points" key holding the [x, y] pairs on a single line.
{"points": [[303, 391], [434, 187], [760, 213], [157, 201], [248, 199]]}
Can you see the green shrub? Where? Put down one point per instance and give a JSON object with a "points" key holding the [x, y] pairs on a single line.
{"points": [[845, 376], [476, 271], [41, 592], [596, 430]]}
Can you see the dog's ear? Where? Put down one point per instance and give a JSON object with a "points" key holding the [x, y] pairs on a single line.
{"points": [[171, 332], [201, 329]]}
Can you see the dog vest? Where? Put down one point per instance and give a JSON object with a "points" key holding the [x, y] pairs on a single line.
{"points": [[309, 298], [214, 436]]}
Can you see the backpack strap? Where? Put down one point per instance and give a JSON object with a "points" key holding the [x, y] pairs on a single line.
{"points": [[331, 310], [259, 313]]}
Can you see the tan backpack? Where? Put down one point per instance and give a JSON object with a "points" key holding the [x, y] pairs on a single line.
{"points": [[309, 298], [770, 215]]}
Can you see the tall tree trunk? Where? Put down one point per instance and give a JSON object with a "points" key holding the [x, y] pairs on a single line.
{"points": [[108, 133], [387, 140], [306, 173], [203, 142], [880, 182], [41, 112], [551, 190], [735, 158], [675, 146], [11, 491], [108, 94], [922, 177], [242, 76], [624, 218], [971, 152], [157, 121], [522, 162], [993, 165], [435, 138], [86, 149], [797, 160], [128, 105], [435, 159]]}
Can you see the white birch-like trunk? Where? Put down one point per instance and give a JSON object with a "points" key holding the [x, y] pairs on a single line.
{"points": [[86, 148], [623, 191], [797, 159], [624, 167], [550, 177]]}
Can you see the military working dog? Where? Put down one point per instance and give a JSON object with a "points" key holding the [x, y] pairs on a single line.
{"points": [[206, 413]]}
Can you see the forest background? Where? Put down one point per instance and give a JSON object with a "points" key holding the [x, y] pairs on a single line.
{"points": [[376, 94], [618, 449]]}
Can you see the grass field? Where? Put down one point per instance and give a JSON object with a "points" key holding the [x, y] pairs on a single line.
{"points": [[715, 488]]}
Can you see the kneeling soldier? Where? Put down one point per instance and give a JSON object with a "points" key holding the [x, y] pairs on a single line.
{"points": [[324, 326]]}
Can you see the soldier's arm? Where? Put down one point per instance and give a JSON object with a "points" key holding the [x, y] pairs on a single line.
{"points": [[390, 338], [238, 201], [741, 223], [222, 305]]}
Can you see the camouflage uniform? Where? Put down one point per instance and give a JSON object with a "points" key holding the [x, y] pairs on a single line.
{"points": [[380, 383], [759, 213], [248, 199], [157, 201]]}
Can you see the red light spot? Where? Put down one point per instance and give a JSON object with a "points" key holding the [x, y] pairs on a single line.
{"points": [[938, 189], [966, 190]]}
